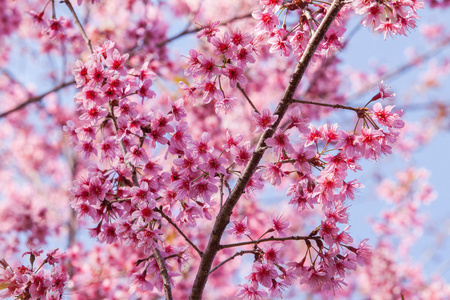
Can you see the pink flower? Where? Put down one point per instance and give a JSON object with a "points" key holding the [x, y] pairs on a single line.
{"points": [[97, 188], [203, 189], [273, 174], [136, 156], [223, 46], [384, 92], [55, 27], [80, 72], [144, 90], [214, 165], [266, 20], [385, 116], [201, 148], [279, 142], [279, 225], [209, 31], [139, 281], [324, 190], [272, 253], [188, 93], [235, 74], [302, 157], [225, 105], [264, 120], [232, 141], [313, 136], [251, 292], [86, 148], [108, 149], [363, 253], [330, 132], [332, 41], [193, 62], [108, 234], [240, 39], [243, 56], [37, 18], [278, 42], [93, 112], [116, 62], [140, 194], [264, 273], [314, 278], [369, 142], [239, 228], [387, 28], [69, 129], [146, 73], [145, 211], [207, 68], [328, 231]]}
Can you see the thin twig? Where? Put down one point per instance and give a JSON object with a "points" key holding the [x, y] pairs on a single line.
{"points": [[248, 99], [159, 259], [271, 239], [310, 19], [53, 10], [77, 21], [179, 230], [186, 31], [355, 109], [223, 218], [163, 271], [418, 60], [36, 99], [240, 253]]}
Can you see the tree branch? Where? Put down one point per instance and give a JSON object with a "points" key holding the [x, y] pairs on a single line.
{"points": [[419, 60], [157, 254], [163, 271], [223, 217], [248, 99], [179, 230], [271, 239], [77, 21], [240, 253], [358, 110], [36, 99], [186, 31]]}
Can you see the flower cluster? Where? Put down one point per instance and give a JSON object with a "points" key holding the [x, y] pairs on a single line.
{"points": [[127, 193], [26, 282], [306, 15], [131, 196], [389, 17], [333, 254], [236, 50]]}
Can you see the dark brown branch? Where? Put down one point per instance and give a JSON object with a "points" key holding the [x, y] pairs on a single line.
{"points": [[36, 99], [271, 239], [223, 218], [163, 271], [240, 253], [179, 230], [358, 110], [157, 255], [77, 21], [248, 99]]}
